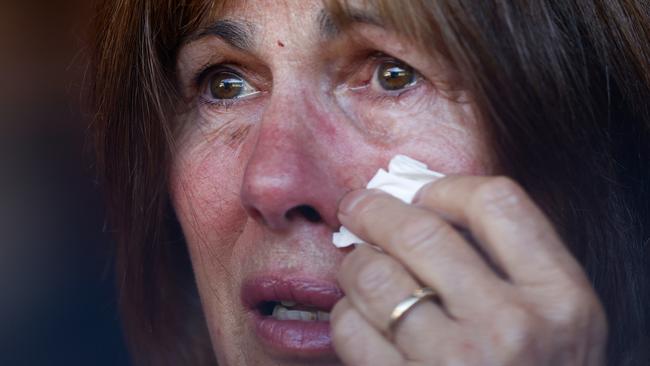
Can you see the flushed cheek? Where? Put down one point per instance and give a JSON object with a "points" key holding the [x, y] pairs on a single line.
{"points": [[443, 133], [455, 138], [207, 172]]}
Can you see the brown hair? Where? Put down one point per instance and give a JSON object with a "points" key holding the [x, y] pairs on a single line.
{"points": [[564, 89], [133, 91]]}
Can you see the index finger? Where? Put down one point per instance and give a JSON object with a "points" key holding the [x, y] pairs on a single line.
{"points": [[508, 225], [428, 247]]}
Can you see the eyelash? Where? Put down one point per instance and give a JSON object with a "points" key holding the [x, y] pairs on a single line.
{"points": [[373, 60], [360, 81], [202, 77], [224, 104]]}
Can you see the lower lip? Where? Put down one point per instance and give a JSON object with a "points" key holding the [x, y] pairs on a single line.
{"points": [[294, 337]]}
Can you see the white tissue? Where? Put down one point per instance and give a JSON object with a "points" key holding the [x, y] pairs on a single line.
{"points": [[405, 176]]}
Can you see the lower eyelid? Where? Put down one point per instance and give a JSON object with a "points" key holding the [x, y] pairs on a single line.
{"points": [[248, 89], [420, 88], [227, 103], [417, 83]]}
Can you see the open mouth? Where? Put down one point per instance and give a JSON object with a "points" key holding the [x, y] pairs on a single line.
{"points": [[291, 316], [290, 298], [290, 310]]}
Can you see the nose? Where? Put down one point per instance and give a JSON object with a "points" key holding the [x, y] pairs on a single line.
{"points": [[291, 175]]}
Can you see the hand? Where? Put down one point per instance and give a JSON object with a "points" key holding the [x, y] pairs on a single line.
{"points": [[540, 310]]}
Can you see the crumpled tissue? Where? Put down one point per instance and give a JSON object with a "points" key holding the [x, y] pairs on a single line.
{"points": [[405, 176]]}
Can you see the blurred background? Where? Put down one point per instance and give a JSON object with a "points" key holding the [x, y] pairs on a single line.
{"points": [[57, 295]]}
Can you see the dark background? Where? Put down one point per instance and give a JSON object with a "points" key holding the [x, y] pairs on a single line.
{"points": [[57, 295]]}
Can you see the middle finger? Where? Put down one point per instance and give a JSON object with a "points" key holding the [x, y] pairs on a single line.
{"points": [[375, 283]]}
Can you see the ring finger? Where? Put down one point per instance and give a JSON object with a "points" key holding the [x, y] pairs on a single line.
{"points": [[375, 284], [357, 342]]}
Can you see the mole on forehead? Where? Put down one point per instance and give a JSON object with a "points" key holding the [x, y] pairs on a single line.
{"points": [[242, 34]]}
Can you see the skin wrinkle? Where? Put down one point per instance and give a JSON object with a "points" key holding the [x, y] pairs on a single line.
{"points": [[203, 240], [200, 233], [231, 135], [434, 67], [477, 40], [239, 34], [292, 143], [206, 263], [436, 72], [228, 133]]}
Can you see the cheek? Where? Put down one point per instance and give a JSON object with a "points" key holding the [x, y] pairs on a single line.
{"points": [[443, 133], [455, 137], [205, 180], [204, 186]]}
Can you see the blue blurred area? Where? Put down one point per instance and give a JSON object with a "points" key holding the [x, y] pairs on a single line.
{"points": [[57, 295], [58, 304]]}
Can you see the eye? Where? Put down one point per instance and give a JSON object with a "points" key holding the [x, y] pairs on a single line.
{"points": [[227, 85], [394, 75]]}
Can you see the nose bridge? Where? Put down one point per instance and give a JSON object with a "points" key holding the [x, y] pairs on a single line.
{"points": [[283, 128], [285, 180], [286, 110]]}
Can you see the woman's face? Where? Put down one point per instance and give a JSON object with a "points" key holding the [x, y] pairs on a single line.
{"points": [[282, 115]]}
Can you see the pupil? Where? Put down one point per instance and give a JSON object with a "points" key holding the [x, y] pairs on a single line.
{"points": [[395, 77], [227, 87]]}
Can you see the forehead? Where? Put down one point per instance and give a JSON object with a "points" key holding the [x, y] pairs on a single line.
{"points": [[244, 24], [263, 18], [276, 9]]}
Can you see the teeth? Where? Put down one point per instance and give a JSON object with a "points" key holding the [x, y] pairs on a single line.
{"points": [[280, 312], [323, 316], [287, 304], [294, 315]]}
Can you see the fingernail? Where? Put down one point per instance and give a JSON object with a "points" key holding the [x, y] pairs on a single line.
{"points": [[351, 200]]}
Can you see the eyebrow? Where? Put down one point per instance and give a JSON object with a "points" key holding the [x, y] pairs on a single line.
{"points": [[241, 34], [238, 34], [329, 28]]}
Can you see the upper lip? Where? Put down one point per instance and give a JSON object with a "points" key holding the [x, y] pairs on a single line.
{"points": [[317, 294]]}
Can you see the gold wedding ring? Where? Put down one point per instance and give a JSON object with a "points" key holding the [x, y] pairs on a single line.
{"points": [[419, 295]]}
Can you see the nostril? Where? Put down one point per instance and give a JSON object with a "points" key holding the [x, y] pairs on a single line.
{"points": [[307, 212]]}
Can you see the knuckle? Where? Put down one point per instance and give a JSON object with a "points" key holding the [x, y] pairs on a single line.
{"points": [[344, 327], [516, 330], [575, 305], [499, 194], [419, 235], [371, 206], [375, 277], [581, 311]]}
